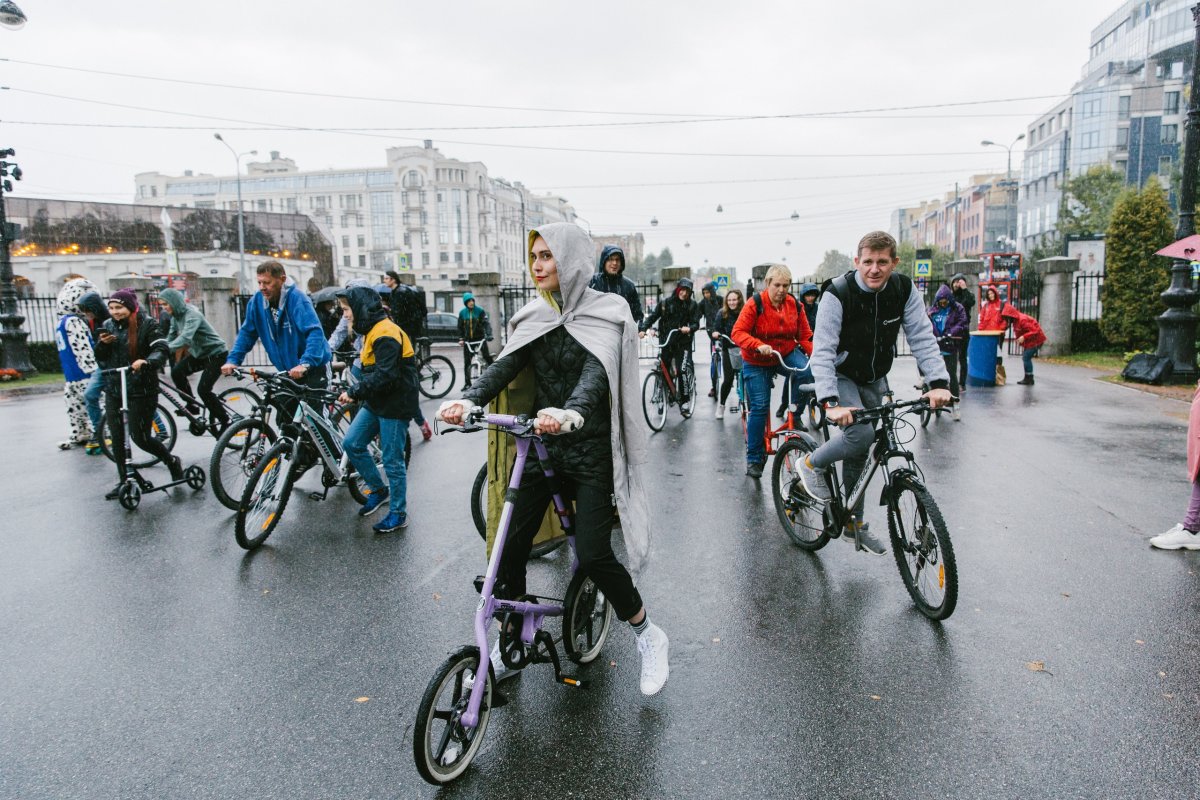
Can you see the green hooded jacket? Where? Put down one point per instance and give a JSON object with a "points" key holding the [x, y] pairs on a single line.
{"points": [[189, 328]]}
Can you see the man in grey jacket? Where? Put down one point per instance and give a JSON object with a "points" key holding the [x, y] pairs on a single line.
{"points": [[858, 320]]}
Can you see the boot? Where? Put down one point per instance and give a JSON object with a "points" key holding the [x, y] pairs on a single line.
{"points": [[1027, 380]]}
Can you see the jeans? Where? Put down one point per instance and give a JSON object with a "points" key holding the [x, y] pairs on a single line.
{"points": [[91, 397], [391, 432], [756, 383], [852, 443], [1027, 358], [209, 369], [593, 539]]}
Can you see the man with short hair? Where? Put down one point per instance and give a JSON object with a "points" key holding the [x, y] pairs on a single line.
{"points": [[473, 326], [858, 320], [611, 279], [284, 320]]}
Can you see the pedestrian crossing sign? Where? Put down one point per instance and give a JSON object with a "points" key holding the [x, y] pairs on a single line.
{"points": [[721, 280], [924, 267]]}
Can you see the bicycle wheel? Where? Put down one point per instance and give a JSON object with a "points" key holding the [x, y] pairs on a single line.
{"points": [[162, 427], [802, 517], [237, 452], [265, 497], [587, 618], [654, 401], [922, 548], [239, 403], [435, 377], [479, 502], [687, 383], [442, 746], [342, 416]]}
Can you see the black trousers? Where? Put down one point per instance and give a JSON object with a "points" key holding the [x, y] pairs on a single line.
{"points": [[209, 369], [962, 361], [730, 374], [467, 355], [593, 539], [141, 417], [674, 354]]}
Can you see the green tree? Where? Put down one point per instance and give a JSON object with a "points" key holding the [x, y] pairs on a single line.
{"points": [[198, 230], [665, 259], [833, 264], [310, 242], [1134, 276], [1088, 201]]}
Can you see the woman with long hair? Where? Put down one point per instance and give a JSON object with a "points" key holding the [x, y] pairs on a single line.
{"points": [[731, 307]]}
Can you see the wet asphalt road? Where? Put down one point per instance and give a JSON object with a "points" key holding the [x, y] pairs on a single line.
{"points": [[145, 655]]}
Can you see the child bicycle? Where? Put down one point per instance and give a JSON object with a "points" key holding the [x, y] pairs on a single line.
{"points": [[920, 541], [456, 706], [133, 485], [477, 365], [660, 388], [308, 438]]}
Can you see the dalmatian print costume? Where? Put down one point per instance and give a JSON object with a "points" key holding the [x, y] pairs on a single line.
{"points": [[74, 340]]}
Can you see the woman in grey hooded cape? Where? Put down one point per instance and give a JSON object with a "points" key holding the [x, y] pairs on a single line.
{"points": [[581, 346]]}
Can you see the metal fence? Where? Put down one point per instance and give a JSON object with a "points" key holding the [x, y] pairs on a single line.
{"points": [[257, 357], [512, 298], [41, 317]]}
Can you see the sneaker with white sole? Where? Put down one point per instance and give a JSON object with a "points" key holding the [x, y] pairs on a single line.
{"points": [[813, 480], [499, 669], [720, 411], [652, 646], [1178, 538], [868, 540]]}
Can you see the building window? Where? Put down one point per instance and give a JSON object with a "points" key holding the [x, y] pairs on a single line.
{"points": [[443, 257], [362, 241], [1169, 134], [407, 239], [1091, 108], [1170, 102], [424, 259], [1164, 166], [1123, 138], [362, 259], [1122, 107], [425, 237], [458, 258], [1122, 166], [345, 261], [345, 242]]}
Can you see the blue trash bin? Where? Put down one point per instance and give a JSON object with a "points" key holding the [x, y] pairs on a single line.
{"points": [[981, 358]]}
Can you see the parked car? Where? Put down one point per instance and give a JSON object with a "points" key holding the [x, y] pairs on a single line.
{"points": [[441, 326]]}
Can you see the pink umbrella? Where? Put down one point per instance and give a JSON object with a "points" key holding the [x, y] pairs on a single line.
{"points": [[1187, 248]]}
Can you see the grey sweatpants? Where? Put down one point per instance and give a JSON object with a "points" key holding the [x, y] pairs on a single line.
{"points": [[853, 443]]}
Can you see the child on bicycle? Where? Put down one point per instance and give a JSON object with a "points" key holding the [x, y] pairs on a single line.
{"points": [[579, 346], [858, 321], [773, 323], [387, 390]]}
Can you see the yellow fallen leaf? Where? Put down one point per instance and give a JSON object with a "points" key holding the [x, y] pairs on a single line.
{"points": [[1138, 641], [876, 697], [1035, 666], [437, 596], [361, 699], [716, 640]]}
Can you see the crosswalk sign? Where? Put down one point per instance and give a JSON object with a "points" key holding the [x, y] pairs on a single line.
{"points": [[924, 267], [721, 279]]}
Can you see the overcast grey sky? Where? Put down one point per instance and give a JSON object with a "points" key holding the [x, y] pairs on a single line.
{"points": [[554, 64]]}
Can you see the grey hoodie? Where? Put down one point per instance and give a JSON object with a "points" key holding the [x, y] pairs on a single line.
{"points": [[189, 328]]}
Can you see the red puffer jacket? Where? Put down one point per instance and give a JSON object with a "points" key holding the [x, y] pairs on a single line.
{"points": [[1025, 325], [784, 329]]}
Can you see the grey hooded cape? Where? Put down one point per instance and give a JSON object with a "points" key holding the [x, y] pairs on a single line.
{"points": [[604, 326]]}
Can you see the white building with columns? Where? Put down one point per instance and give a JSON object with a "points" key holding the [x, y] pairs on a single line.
{"points": [[420, 212]]}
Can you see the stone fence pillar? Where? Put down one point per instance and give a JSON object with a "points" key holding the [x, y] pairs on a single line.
{"points": [[486, 288], [217, 296], [970, 269], [1055, 304]]}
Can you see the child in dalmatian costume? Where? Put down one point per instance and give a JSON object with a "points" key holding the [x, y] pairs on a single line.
{"points": [[74, 340]]}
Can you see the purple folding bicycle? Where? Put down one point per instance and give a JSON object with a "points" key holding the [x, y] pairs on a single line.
{"points": [[454, 711]]}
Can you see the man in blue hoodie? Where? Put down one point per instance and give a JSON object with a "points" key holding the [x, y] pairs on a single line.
{"points": [[284, 320], [611, 279]]}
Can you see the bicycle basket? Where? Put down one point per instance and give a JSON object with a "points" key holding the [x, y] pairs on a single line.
{"points": [[735, 358]]}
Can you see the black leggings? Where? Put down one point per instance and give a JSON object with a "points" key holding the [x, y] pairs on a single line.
{"points": [[209, 369], [593, 539], [141, 417], [726, 384]]}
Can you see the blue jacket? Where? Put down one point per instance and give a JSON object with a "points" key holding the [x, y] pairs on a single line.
{"points": [[296, 339]]}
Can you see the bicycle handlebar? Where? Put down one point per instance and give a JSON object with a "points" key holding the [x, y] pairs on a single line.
{"points": [[477, 419], [784, 364], [878, 412], [667, 341]]}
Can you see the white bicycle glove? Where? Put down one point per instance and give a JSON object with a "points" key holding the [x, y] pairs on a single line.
{"points": [[569, 420], [445, 406]]}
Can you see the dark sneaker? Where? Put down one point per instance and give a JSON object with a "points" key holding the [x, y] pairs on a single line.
{"points": [[392, 522], [754, 470], [866, 539], [375, 501], [176, 467], [813, 480], [115, 492]]}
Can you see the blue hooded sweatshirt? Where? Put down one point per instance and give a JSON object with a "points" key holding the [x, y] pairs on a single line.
{"points": [[297, 338]]}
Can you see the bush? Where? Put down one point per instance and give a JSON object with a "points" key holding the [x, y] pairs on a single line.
{"points": [[1135, 277], [43, 356]]}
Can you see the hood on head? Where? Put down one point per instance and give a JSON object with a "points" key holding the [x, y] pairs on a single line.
{"points": [[70, 294], [94, 304], [572, 249], [958, 276], [467, 297], [808, 288], [366, 305], [988, 290], [610, 249], [1009, 311], [174, 300], [943, 293], [710, 286], [684, 284]]}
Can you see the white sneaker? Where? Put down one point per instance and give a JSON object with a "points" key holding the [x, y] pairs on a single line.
{"points": [[954, 413], [652, 646], [720, 411], [499, 669], [1178, 538]]}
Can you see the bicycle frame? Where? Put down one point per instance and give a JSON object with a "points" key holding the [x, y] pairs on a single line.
{"points": [[665, 369], [788, 428], [533, 613]]}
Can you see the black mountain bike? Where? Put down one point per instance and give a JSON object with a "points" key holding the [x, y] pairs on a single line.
{"points": [[435, 374]]}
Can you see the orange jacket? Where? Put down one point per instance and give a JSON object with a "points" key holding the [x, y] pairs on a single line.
{"points": [[784, 329]]}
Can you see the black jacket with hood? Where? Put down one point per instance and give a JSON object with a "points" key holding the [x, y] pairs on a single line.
{"points": [[151, 345], [388, 384], [710, 307], [963, 297], [617, 284], [675, 312]]}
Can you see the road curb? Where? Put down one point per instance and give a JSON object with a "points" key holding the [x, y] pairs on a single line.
{"points": [[30, 391]]}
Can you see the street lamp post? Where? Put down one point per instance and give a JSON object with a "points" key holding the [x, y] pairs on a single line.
{"points": [[1012, 199], [16, 345], [1177, 325], [243, 279]]}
